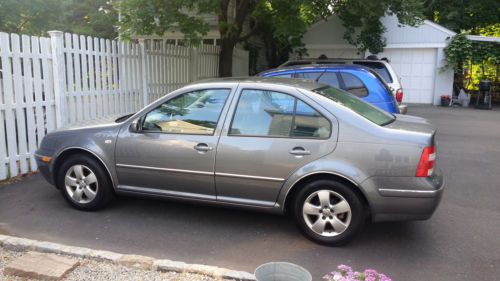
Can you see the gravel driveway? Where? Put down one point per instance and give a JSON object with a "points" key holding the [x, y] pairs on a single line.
{"points": [[104, 271]]}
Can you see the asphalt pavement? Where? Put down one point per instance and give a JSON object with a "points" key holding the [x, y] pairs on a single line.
{"points": [[460, 242]]}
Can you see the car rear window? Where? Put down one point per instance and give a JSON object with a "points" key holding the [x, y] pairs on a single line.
{"points": [[357, 105], [378, 67]]}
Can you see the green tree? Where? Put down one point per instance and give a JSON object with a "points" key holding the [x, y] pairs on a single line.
{"points": [[36, 17], [463, 15], [279, 23]]}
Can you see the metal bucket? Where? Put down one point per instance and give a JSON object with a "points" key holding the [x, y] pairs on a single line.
{"points": [[282, 271]]}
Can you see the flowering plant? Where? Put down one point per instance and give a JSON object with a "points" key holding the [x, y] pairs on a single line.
{"points": [[345, 273], [445, 98]]}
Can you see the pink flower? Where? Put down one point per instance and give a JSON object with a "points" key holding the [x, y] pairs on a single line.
{"points": [[371, 272], [344, 268]]}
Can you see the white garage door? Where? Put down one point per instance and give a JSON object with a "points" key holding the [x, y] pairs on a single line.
{"points": [[417, 68]]}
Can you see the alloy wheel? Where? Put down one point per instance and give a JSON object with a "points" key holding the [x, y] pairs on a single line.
{"points": [[81, 184], [327, 213]]}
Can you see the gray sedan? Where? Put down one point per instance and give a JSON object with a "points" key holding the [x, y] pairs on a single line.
{"points": [[291, 146]]}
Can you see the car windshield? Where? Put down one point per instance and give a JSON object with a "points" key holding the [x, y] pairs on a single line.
{"points": [[357, 105]]}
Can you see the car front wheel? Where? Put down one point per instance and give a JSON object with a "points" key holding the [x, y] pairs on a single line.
{"points": [[84, 183], [329, 212]]}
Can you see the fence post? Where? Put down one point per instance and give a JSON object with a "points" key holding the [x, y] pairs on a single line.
{"points": [[56, 42], [144, 81]]}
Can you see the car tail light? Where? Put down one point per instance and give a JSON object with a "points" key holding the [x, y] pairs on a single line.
{"points": [[399, 95], [425, 167]]}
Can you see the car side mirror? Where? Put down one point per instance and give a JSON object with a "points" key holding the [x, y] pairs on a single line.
{"points": [[136, 126]]}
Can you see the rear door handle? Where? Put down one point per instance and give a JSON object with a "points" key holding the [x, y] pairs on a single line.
{"points": [[203, 147], [299, 151]]}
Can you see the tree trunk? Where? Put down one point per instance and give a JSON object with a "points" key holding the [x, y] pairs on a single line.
{"points": [[226, 58]]}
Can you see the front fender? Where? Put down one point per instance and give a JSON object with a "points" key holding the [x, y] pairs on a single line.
{"points": [[100, 142]]}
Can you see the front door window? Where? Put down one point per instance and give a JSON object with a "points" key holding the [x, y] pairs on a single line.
{"points": [[195, 113]]}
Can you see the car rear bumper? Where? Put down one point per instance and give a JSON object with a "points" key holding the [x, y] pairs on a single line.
{"points": [[403, 108], [403, 198]]}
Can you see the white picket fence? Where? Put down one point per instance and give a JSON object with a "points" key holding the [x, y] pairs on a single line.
{"points": [[48, 83]]}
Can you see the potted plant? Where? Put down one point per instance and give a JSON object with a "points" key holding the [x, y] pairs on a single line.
{"points": [[445, 100]]}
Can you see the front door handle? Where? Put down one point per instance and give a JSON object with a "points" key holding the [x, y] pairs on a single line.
{"points": [[202, 147], [299, 151]]}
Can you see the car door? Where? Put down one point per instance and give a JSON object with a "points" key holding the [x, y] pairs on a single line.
{"points": [[271, 134], [173, 153]]}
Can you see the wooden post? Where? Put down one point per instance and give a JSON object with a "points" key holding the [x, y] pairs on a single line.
{"points": [[56, 39]]}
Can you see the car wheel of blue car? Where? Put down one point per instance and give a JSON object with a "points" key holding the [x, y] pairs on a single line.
{"points": [[84, 183], [329, 212]]}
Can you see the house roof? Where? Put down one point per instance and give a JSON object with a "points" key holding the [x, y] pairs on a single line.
{"points": [[439, 27], [330, 33]]}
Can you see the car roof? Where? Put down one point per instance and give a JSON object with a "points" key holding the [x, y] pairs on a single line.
{"points": [[331, 61], [318, 66], [296, 83]]}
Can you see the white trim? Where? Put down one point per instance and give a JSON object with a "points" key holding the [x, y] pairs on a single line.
{"points": [[248, 177], [440, 27], [166, 169], [483, 38], [415, 46]]}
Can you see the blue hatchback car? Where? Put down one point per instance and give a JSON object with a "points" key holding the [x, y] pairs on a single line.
{"points": [[360, 81]]}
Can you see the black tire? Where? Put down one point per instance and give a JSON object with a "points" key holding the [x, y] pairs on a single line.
{"points": [[104, 191], [357, 212]]}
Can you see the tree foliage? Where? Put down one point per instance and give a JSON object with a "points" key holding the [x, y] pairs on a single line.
{"points": [[36, 17], [362, 20], [472, 60], [463, 15], [279, 23]]}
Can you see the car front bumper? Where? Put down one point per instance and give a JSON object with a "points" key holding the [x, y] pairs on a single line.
{"points": [[403, 198], [44, 166]]}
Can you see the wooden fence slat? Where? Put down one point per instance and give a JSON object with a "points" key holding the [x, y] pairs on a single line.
{"points": [[78, 79], [98, 77], [37, 85], [92, 92], [116, 88], [19, 104], [29, 95], [109, 78], [104, 82], [85, 78], [70, 78], [8, 90]]}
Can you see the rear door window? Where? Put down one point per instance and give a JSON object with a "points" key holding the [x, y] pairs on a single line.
{"points": [[353, 85], [378, 67], [330, 78]]}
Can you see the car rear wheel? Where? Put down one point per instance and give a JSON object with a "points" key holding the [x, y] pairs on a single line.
{"points": [[329, 212], [84, 183]]}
